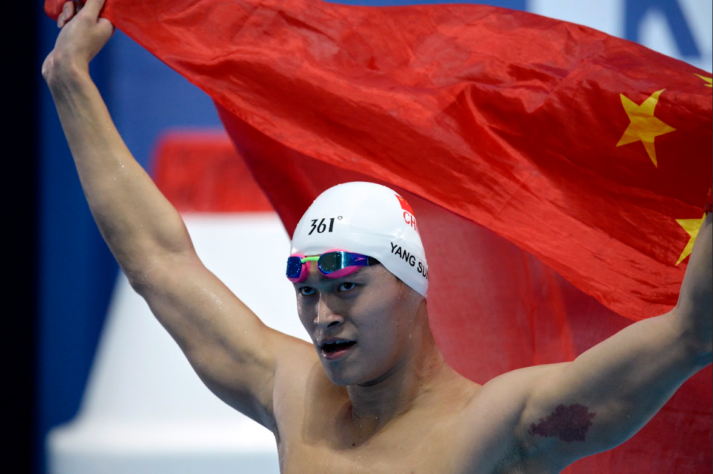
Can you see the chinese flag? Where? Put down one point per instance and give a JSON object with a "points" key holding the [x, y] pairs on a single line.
{"points": [[588, 154]]}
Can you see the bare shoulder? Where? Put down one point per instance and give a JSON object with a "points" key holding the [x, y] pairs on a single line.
{"points": [[299, 377], [294, 357]]}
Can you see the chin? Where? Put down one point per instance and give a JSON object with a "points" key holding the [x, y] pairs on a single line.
{"points": [[343, 377], [338, 377]]}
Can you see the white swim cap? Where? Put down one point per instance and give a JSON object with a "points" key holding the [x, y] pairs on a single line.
{"points": [[368, 219]]}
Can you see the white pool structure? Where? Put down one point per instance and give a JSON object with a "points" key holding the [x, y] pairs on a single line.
{"points": [[144, 409]]}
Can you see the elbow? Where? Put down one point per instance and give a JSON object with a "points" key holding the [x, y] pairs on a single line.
{"points": [[144, 279], [158, 273], [139, 285], [703, 353], [149, 268], [705, 360], [700, 349], [696, 330], [140, 282]]}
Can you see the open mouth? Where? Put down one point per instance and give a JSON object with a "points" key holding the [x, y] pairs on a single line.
{"points": [[333, 350]]}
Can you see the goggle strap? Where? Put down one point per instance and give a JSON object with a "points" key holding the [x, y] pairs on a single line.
{"points": [[315, 258]]}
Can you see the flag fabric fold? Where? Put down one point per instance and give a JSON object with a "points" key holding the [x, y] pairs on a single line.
{"points": [[574, 145], [590, 154]]}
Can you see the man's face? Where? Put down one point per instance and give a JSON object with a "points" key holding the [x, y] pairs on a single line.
{"points": [[371, 307]]}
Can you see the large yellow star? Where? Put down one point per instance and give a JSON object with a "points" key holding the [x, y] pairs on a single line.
{"points": [[644, 126], [692, 226], [709, 80]]}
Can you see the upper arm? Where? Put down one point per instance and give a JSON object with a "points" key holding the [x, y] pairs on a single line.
{"points": [[608, 393], [231, 350]]}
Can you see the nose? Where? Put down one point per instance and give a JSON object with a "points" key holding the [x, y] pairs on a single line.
{"points": [[326, 317]]}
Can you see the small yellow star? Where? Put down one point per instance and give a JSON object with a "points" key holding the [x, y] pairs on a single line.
{"points": [[692, 226], [644, 126], [709, 80]]}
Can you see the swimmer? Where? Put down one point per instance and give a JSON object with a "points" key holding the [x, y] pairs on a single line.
{"points": [[373, 393]]}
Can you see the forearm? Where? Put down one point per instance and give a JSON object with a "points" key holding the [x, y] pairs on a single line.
{"points": [[140, 226], [694, 309]]}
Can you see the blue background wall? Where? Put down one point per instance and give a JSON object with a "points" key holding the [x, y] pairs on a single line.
{"points": [[76, 270]]}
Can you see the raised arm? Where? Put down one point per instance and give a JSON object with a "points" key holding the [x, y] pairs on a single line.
{"points": [[606, 395], [229, 347]]}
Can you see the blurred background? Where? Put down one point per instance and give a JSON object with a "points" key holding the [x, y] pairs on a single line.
{"points": [[62, 277]]}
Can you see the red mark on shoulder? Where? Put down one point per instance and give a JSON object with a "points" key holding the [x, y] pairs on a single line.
{"points": [[567, 423]]}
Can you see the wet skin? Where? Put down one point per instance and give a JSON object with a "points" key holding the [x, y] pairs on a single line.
{"points": [[391, 404]]}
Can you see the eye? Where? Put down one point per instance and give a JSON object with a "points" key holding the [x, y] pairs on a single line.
{"points": [[307, 291], [347, 286]]}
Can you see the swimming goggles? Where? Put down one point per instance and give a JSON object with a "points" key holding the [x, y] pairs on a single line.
{"points": [[332, 264]]}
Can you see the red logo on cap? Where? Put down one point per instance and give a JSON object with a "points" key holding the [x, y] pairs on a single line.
{"points": [[409, 218]]}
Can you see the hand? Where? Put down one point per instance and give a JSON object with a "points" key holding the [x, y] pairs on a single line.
{"points": [[83, 35]]}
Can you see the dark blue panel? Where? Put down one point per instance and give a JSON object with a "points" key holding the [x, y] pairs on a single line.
{"points": [[636, 11], [148, 97]]}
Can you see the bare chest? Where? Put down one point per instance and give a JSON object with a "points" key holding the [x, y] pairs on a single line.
{"points": [[393, 452], [444, 443]]}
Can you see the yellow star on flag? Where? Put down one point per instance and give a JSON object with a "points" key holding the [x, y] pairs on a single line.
{"points": [[692, 226], [644, 126], [709, 80]]}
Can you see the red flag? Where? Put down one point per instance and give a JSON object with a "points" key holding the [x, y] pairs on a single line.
{"points": [[589, 152]]}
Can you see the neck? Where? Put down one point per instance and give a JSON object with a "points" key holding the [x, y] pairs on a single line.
{"points": [[403, 388]]}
